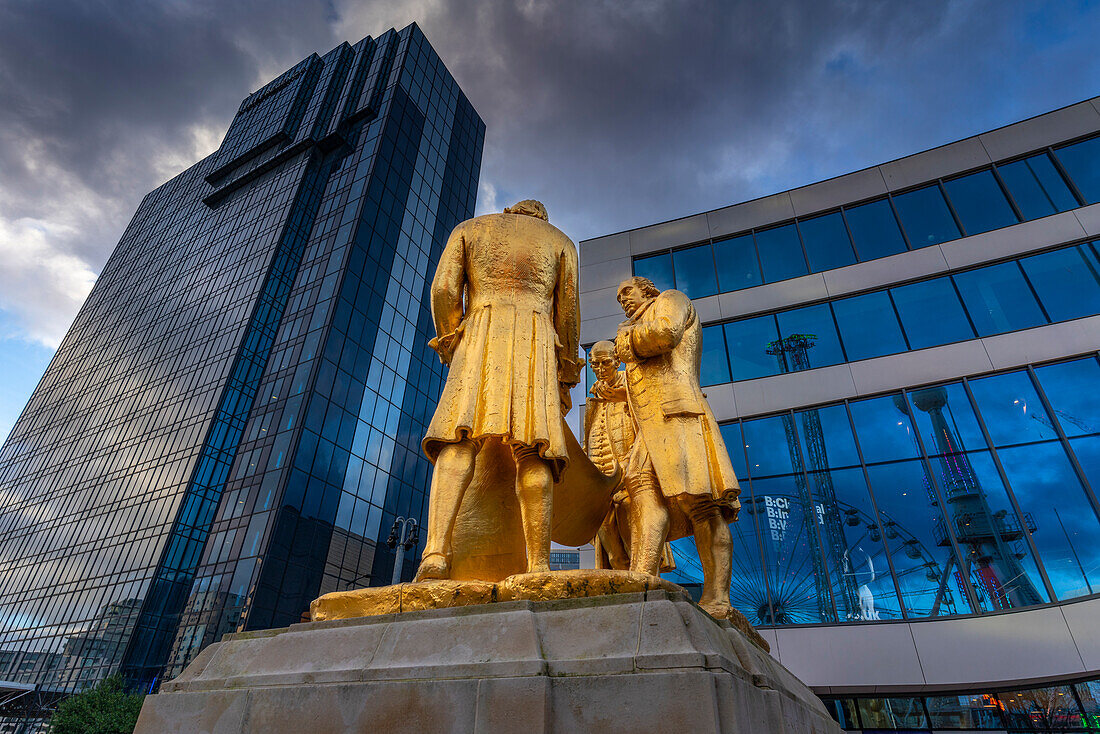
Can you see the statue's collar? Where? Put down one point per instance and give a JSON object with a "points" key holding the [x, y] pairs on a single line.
{"points": [[641, 310]]}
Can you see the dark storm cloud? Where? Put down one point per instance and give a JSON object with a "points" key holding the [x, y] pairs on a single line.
{"points": [[616, 114]]}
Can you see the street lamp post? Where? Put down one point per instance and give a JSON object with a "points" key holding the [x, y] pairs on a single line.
{"points": [[404, 535]]}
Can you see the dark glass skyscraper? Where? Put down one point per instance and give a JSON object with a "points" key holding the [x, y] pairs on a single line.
{"points": [[233, 420]]}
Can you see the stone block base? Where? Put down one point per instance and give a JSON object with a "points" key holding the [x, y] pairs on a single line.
{"points": [[639, 662]]}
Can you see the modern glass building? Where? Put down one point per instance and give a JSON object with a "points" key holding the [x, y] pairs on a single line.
{"points": [[232, 424], [904, 364]]}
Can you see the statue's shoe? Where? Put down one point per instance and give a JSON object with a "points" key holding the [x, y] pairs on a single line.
{"points": [[433, 566]]}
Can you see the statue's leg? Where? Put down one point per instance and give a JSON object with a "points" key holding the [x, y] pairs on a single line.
{"points": [[649, 526], [454, 469], [715, 547], [534, 490], [611, 540]]}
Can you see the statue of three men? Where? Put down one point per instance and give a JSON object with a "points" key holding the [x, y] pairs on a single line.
{"points": [[505, 304]]}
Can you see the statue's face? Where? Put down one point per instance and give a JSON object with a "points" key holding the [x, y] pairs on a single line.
{"points": [[630, 298], [604, 365]]}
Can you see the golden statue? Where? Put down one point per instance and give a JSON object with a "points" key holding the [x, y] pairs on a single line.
{"points": [[505, 304], [610, 433], [679, 460]]}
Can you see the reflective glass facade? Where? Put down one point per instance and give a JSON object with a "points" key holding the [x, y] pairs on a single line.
{"points": [[1037, 185], [1058, 285], [1072, 707], [232, 423], [919, 503]]}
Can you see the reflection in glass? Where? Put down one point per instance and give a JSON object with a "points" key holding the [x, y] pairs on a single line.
{"points": [[975, 711], [1071, 389], [1037, 187], [657, 268], [1088, 695], [748, 341], [925, 563], [852, 539], [797, 581], [694, 268], [731, 435], [1040, 708], [892, 713], [980, 202], [1067, 281], [737, 264], [1047, 488], [931, 313], [780, 253], [874, 229], [827, 242], [843, 711], [946, 420], [883, 429], [1082, 162], [826, 438], [770, 447], [1011, 409], [925, 216], [869, 326], [990, 533], [713, 363], [999, 299], [809, 338]]}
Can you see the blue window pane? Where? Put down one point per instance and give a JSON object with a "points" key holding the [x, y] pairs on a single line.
{"points": [[970, 711], [989, 532], [1037, 187], [694, 268], [1082, 162], [1071, 389], [999, 299], [657, 268], [713, 364], [868, 326], [816, 321], [827, 242], [931, 313], [980, 202], [737, 264], [767, 443], [791, 553], [875, 229], [882, 714], [826, 438], [1011, 408], [780, 253], [926, 566], [852, 541], [735, 445], [1067, 281], [946, 420], [925, 216], [1066, 528], [747, 342], [883, 428]]}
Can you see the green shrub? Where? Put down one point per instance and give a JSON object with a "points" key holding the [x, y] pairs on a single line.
{"points": [[105, 709]]}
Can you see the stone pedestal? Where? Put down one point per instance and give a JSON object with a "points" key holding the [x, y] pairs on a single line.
{"points": [[640, 662]]}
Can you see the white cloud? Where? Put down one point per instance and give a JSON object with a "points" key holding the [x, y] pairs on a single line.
{"points": [[40, 284]]}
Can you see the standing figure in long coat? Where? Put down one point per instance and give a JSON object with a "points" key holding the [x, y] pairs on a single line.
{"points": [[679, 453], [505, 305]]}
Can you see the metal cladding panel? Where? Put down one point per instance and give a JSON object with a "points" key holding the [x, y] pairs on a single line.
{"points": [[363, 53], [268, 116]]}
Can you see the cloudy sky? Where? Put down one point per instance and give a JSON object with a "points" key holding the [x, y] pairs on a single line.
{"points": [[615, 114]]}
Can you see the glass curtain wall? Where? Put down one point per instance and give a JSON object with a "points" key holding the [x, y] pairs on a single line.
{"points": [[963, 498], [1058, 285], [1037, 185]]}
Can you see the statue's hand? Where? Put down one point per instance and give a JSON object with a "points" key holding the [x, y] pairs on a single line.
{"points": [[446, 345], [623, 348]]}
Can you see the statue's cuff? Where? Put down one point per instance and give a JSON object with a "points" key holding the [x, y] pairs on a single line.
{"points": [[445, 345], [569, 369]]}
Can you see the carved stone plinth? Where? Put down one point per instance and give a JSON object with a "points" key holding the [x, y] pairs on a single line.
{"points": [[643, 662]]}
